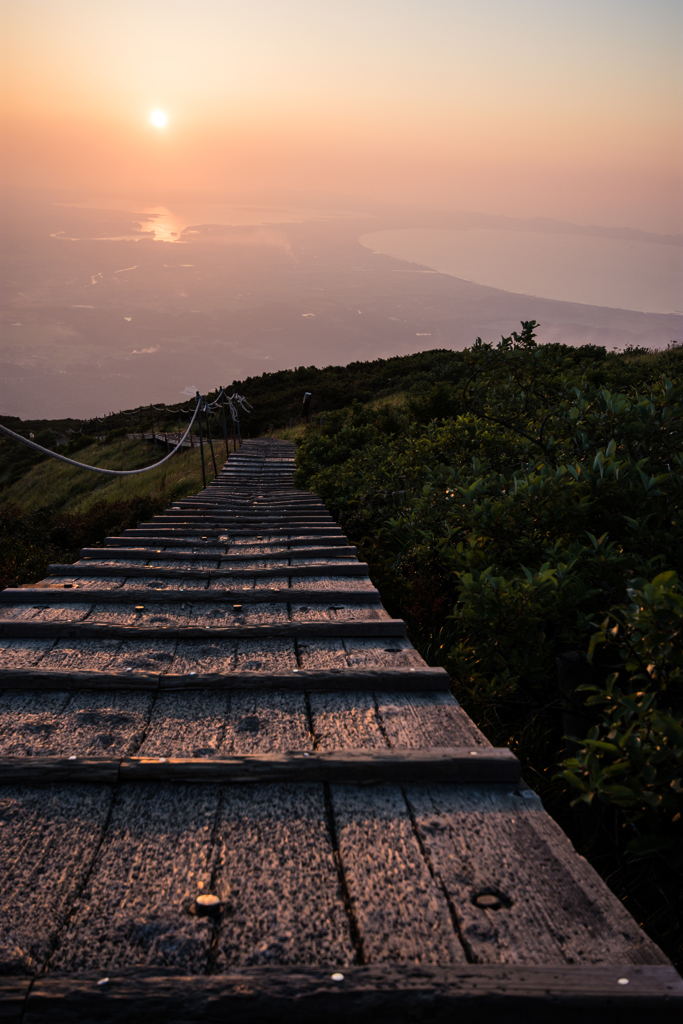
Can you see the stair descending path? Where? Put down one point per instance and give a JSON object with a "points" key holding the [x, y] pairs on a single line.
{"points": [[231, 787]]}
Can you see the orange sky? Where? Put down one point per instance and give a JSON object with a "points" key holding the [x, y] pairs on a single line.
{"points": [[520, 107]]}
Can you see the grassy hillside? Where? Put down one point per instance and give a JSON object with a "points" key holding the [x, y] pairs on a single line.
{"points": [[51, 510]]}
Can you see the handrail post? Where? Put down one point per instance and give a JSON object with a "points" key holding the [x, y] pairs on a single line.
{"points": [[225, 426], [208, 431], [201, 441]]}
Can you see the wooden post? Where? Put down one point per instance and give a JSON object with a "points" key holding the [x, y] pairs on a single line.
{"points": [[225, 428], [208, 431], [201, 443]]}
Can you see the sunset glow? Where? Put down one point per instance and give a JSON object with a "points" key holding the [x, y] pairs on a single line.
{"points": [[158, 118], [528, 108]]}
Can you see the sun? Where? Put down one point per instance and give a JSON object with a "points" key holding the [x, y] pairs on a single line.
{"points": [[158, 118]]}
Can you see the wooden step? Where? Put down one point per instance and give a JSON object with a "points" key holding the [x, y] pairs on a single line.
{"points": [[449, 764], [159, 555], [60, 593], [352, 680], [38, 629], [400, 993], [322, 569]]}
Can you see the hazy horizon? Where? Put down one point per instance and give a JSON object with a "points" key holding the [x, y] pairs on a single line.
{"points": [[185, 189]]}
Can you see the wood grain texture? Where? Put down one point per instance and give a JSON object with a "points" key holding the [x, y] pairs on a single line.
{"points": [[440, 764], [414, 720], [374, 994], [346, 721], [142, 626], [43, 597], [48, 840], [60, 724], [278, 877], [93, 570], [401, 913], [158, 554], [554, 910], [189, 653], [157, 855]]}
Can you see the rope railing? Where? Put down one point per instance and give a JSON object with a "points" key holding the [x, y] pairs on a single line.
{"points": [[98, 469], [202, 406]]}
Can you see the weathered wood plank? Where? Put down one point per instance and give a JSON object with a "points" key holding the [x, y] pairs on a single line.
{"points": [[60, 724], [45, 611], [439, 764], [23, 654], [311, 680], [156, 856], [366, 653], [139, 630], [48, 840], [321, 654], [346, 721], [552, 909], [93, 570], [263, 723], [367, 595], [400, 910], [186, 725], [158, 554], [413, 720], [279, 881], [374, 994]]}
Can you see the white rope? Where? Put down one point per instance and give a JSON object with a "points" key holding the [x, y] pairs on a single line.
{"points": [[96, 469]]}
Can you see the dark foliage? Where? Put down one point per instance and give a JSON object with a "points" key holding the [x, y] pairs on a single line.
{"points": [[30, 541], [515, 512]]}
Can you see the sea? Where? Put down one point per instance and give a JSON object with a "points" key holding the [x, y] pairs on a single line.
{"points": [[598, 271]]}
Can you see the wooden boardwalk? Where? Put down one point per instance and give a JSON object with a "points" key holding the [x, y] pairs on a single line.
{"points": [[232, 790]]}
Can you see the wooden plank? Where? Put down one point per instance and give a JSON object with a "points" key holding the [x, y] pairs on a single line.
{"points": [[62, 723], [210, 724], [13, 993], [552, 907], [46, 611], [412, 720], [374, 994], [34, 595], [346, 721], [156, 856], [28, 721], [279, 879], [92, 570], [85, 630], [440, 764], [23, 654], [41, 770], [48, 840], [310, 680], [400, 909], [263, 723], [87, 654], [157, 554], [170, 538], [375, 653]]}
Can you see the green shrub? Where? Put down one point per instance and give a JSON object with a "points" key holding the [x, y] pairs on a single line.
{"points": [[634, 758]]}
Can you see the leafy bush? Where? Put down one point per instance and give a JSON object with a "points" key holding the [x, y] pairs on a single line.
{"points": [[504, 514], [506, 511], [634, 757]]}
